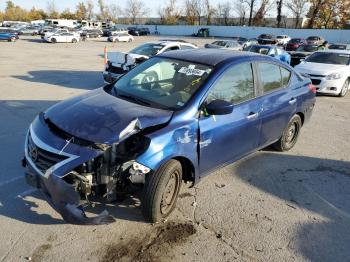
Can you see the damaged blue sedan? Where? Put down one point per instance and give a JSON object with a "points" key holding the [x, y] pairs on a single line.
{"points": [[176, 117]]}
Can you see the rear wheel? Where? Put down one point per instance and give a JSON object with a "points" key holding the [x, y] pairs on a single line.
{"points": [[12, 39], [290, 135], [161, 190], [74, 40], [345, 88]]}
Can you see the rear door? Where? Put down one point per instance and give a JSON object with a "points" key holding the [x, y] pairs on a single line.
{"points": [[224, 138], [278, 102]]}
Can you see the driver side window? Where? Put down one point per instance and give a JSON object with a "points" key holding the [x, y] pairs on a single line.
{"points": [[235, 85]]}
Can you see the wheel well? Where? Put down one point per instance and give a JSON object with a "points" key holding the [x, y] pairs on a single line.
{"points": [[301, 117], [187, 168]]}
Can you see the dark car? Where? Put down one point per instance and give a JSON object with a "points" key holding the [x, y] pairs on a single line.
{"points": [[302, 52], [239, 39], [294, 44], [138, 31], [266, 39], [339, 46], [205, 109], [92, 33]]}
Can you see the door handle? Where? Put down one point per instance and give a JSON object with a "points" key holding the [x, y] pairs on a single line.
{"points": [[252, 115], [292, 101]]}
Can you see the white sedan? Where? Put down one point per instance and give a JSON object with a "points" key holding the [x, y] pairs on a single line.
{"points": [[122, 37], [282, 39], [329, 71], [64, 38]]}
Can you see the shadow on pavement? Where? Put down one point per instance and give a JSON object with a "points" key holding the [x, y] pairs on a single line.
{"points": [[318, 185], [72, 79]]}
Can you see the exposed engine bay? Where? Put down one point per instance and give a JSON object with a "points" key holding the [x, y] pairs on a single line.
{"points": [[109, 175]]}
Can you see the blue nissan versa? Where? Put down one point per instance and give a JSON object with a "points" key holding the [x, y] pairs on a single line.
{"points": [[175, 117]]}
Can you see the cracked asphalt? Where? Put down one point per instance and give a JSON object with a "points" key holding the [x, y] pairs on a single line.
{"points": [[269, 206]]}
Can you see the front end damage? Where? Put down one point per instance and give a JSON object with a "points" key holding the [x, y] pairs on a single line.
{"points": [[71, 171]]}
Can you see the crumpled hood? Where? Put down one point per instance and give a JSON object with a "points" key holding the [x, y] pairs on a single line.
{"points": [[319, 69], [99, 117]]}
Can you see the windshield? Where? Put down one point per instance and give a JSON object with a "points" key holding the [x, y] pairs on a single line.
{"points": [[312, 38], [341, 47], [219, 43], [295, 40], [329, 58], [259, 49], [307, 48], [162, 82], [280, 37], [147, 49]]}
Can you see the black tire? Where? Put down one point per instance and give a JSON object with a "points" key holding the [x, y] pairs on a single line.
{"points": [[74, 40], [290, 135], [53, 40], [345, 88], [12, 39], [161, 191]]}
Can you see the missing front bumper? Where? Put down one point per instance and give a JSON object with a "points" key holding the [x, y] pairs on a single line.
{"points": [[64, 199]]}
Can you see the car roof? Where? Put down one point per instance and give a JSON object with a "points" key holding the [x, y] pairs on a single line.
{"points": [[335, 51], [208, 56], [265, 46], [168, 42]]}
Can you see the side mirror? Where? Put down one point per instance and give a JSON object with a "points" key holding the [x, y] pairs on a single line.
{"points": [[219, 107]]}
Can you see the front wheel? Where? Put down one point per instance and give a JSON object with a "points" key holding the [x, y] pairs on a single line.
{"points": [[344, 88], [290, 135], [161, 190], [74, 40]]}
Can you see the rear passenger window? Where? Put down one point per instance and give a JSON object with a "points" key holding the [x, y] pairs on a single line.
{"points": [[285, 76], [236, 85], [273, 76]]}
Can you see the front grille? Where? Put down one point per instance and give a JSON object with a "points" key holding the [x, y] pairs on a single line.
{"points": [[42, 158], [116, 70], [316, 75], [316, 81]]}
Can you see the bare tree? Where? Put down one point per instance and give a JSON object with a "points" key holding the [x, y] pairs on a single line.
{"points": [[169, 14], [209, 11], [135, 9], [51, 9], [251, 4], [113, 12], [89, 9], [224, 12], [279, 12], [240, 9], [103, 15], [298, 9], [260, 14], [190, 12]]}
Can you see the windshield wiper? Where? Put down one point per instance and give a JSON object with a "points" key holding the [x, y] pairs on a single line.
{"points": [[135, 99]]}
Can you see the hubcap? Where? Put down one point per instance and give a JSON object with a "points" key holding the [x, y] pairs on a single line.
{"points": [[345, 88], [291, 133], [168, 197]]}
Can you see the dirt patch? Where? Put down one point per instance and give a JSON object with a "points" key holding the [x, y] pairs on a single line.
{"points": [[154, 246], [186, 194], [39, 252]]}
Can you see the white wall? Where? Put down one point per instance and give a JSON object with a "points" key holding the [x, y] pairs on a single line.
{"points": [[330, 35]]}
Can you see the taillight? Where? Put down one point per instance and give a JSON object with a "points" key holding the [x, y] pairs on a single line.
{"points": [[312, 88]]}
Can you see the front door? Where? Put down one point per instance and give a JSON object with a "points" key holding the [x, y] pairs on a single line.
{"points": [[224, 138]]}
